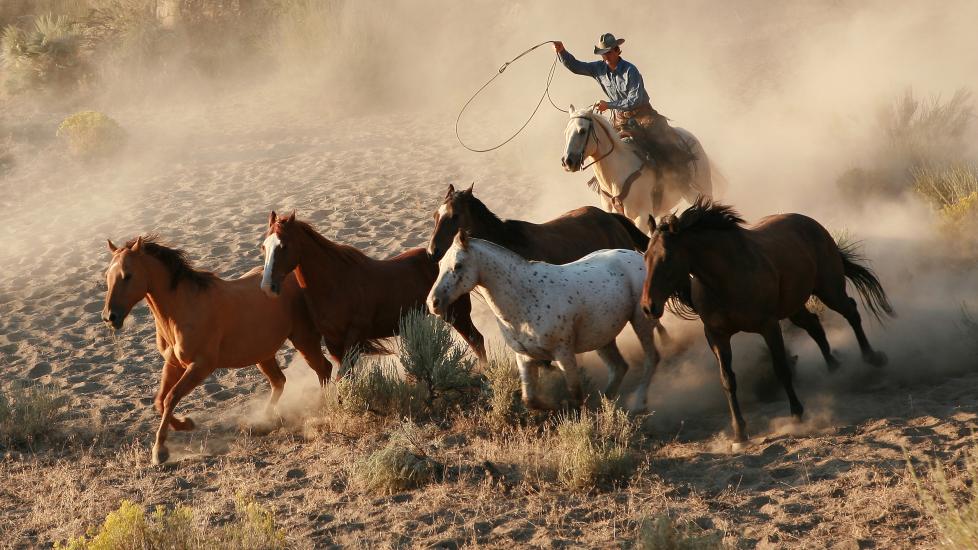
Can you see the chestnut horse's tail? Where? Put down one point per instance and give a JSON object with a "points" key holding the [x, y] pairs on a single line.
{"points": [[640, 239], [867, 284], [374, 346]]}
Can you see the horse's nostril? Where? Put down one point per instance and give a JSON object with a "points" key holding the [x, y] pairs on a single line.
{"points": [[647, 309]]}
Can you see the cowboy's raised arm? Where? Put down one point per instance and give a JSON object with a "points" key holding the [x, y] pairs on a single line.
{"points": [[575, 66], [635, 93]]}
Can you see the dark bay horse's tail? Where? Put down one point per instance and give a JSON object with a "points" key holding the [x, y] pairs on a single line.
{"points": [[867, 284], [640, 239]]}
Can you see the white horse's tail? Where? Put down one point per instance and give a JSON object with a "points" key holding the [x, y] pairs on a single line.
{"points": [[720, 181]]}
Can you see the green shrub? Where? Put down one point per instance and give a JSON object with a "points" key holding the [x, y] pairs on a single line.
{"points": [[130, 527], [592, 449], [434, 359], [91, 134], [45, 56], [952, 505], [661, 534], [30, 412], [400, 465]]}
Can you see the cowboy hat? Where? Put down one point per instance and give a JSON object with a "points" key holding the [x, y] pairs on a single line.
{"points": [[607, 43]]}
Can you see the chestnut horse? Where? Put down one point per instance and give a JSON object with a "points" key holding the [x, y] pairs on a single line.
{"points": [[204, 323], [355, 300], [747, 280], [562, 240]]}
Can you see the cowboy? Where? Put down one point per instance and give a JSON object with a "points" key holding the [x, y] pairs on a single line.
{"points": [[632, 114]]}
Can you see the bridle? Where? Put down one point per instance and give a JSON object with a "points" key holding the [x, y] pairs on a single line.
{"points": [[597, 142]]}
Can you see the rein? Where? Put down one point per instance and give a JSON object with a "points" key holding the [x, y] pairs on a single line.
{"points": [[546, 94]]}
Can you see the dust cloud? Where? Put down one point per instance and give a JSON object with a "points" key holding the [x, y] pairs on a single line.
{"points": [[784, 97]]}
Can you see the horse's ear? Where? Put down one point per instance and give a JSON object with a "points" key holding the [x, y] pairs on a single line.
{"points": [[571, 111], [652, 222], [672, 224], [469, 190], [138, 245], [291, 217], [462, 238], [451, 191], [112, 247], [271, 218]]}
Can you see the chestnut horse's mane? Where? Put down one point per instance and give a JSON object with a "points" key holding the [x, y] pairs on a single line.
{"points": [[175, 261], [346, 253]]}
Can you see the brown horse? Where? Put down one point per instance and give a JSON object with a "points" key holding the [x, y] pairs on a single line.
{"points": [[749, 279], [204, 323], [562, 240], [355, 300]]}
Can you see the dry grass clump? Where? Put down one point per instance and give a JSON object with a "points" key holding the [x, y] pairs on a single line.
{"points": [[661, 533], [30, 412], [45, 54], [131, 527], [374, 385], [503, 388], [592, 449], [953, 192], [401, 464], [952, 503], [91, 134]]}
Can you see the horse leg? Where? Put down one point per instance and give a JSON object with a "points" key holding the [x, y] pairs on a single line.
{"points": [[720, 344], [271, 370], [840, 302], [809, 321], [567, 362], [779, 357], [617, 367], [643, 328], [460, 314], [529, 368], [193, 376], [308, 343], [171, 373]]}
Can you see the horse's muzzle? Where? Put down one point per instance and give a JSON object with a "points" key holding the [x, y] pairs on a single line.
{"points": [[435, 306], [113, 319], [571, 163], [272, 289], [652, 312]]}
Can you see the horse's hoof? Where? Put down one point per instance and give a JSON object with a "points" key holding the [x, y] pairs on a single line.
{"points": [[833, 364], [533, 404], [160, 455], [877, 359]]}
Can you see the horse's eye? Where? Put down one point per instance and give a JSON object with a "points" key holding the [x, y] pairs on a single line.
{"points": [[458, 267], [581, 131]]}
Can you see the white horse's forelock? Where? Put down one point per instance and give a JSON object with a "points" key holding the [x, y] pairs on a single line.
{"points": [[272, 243]]}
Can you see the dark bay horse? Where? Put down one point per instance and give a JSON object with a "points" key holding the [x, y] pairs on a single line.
{"points": [[562, 240], [747, 280], [355, 300], [204, 323]]}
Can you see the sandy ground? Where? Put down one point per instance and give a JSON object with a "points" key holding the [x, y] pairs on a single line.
{"points": [[837, 481]]}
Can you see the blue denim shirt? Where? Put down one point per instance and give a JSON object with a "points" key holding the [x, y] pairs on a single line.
{"points": [[623, 85]]}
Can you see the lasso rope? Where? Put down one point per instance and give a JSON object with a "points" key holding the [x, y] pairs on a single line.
{"points": [[546, 94]]}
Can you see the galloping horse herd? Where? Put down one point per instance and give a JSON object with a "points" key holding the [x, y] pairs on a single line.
{"points": [[557, 289]]}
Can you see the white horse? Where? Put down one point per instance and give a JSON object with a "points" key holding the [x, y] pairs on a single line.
{"points": [[551, 312], [626, 182]]}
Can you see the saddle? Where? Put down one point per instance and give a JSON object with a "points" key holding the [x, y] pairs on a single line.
{"points": [[661, 146]]}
